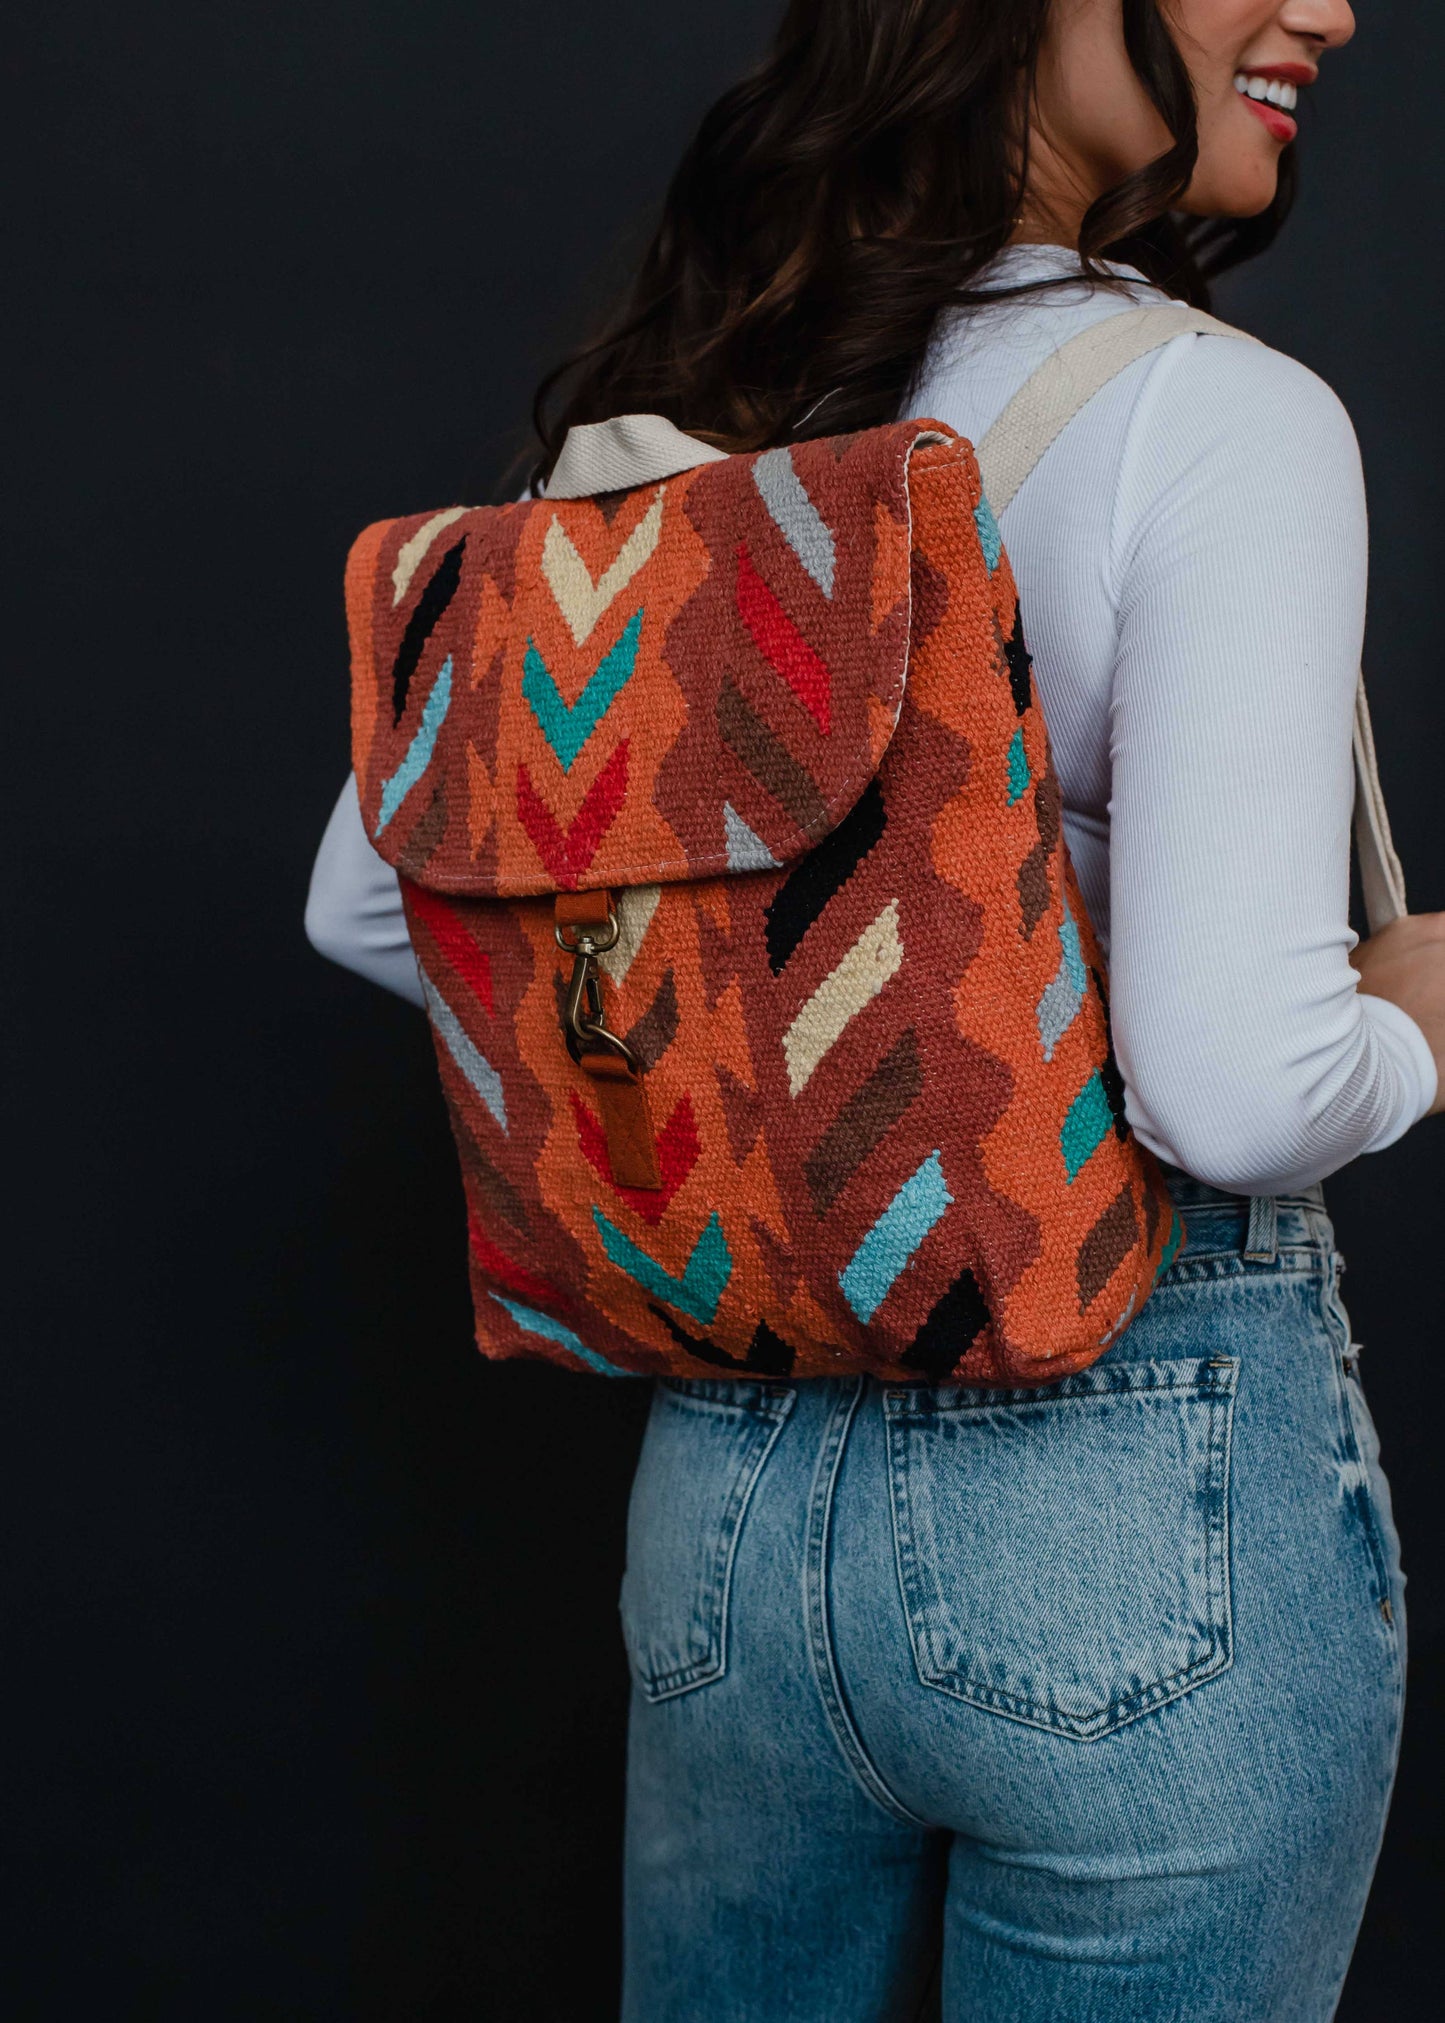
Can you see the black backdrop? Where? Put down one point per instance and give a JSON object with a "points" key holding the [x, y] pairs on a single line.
{"points": [[312, 1611]]}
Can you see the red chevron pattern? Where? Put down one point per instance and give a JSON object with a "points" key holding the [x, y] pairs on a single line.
{"points": [[494, 1264], [781, 643], [472, 964], [568, 853]]}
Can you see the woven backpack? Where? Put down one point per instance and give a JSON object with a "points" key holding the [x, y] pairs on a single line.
{"points": [[773, 1032]]}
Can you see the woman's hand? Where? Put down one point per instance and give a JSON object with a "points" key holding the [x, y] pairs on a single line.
{"points": [[1405, 962]]}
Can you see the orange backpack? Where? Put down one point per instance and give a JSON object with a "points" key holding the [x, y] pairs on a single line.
{"points": [[771, 1025]]}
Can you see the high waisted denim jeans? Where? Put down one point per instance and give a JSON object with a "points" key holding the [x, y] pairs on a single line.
{"points": [[1093, 1690]]}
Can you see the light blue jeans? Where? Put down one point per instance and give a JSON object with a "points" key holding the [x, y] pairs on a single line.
{"points": [[1093, 1691]]}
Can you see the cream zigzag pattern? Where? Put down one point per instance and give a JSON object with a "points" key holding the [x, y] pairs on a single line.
{"points": [[634, 907], [875, 956], [410, 553], [580, 600]]}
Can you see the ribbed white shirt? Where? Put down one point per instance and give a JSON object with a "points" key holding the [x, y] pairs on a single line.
{"points": [[1191, 557]]}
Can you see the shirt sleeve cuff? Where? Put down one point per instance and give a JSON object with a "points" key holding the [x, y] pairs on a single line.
{"points": [[1409, 1049]]}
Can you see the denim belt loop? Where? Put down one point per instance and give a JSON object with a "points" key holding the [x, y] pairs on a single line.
{"points": [[1261, 1242]]}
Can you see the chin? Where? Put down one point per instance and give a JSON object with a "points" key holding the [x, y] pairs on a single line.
{"points": [[1243, 194]]}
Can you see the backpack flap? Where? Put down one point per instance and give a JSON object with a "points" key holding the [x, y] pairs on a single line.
{"points": [[672, 682]]}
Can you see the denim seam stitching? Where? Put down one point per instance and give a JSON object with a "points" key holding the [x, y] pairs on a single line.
{"points": [[1221, 1553], [1374, 1537], [1338, 1326], [815, 1610], [1123, 1385], [1217, 1658], [1199, 1267], [762, 1438], [775, 1406]]}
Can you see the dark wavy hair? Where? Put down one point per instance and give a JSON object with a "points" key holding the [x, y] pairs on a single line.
{"points": [[841, 194]]}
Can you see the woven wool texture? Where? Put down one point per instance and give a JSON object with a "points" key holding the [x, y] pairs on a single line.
{"points": [[779, 707]]}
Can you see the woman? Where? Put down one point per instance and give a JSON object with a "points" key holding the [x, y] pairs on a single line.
{"points": [[1100, 1686]]}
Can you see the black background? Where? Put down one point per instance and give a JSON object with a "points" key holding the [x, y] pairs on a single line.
{"points": [[318, 1693]]}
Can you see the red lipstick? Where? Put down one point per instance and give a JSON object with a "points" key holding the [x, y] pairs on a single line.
{"points": [[1283, 73], [1279, 124]]}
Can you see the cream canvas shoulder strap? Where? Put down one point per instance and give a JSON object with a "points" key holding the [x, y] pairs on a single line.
{"points": [[1040, 411]]}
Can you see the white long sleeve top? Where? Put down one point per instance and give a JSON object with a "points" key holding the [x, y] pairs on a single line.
{"points": [[1191, 559]]}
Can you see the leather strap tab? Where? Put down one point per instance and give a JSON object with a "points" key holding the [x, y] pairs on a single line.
{"points": [[626, 1119], [626, 1114], [583, 909]]}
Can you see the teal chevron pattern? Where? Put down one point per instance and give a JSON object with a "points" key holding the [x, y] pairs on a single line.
{"points": [[419, 752], [1087, 1125], [703, 1282], [885, 1251], [1063, 1000], [988, 534], [565, 726], [533, 1323], [1018, 768]]}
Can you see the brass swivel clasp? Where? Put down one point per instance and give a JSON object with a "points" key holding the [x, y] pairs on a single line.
{"points": [[582, 1023]]}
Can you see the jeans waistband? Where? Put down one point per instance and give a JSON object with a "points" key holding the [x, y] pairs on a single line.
{"points": [[1256, 1227]]}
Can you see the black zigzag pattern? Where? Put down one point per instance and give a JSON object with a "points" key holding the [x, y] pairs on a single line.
{"points": [[433, 601], [950, 1330], [1110, 1074], [806, 891], [768, 1354], [1020, 680]]}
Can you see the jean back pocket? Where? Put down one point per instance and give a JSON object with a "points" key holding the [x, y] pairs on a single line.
{"points": [[1063, 1554], [703, 1451]]}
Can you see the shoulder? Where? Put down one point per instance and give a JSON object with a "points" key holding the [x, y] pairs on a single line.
{"points": [[1229, 448], [1223, 398]]}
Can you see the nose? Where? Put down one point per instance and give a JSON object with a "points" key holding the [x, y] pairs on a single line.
{"points": [[1329, 24]]}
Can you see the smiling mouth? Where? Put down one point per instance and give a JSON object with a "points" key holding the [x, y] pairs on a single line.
{"points": [[1272, 100], [1267, 91]]}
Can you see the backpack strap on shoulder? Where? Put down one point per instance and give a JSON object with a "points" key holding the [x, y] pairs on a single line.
{"points": [[1038, 414], [1382, 876], [1067, 381]]}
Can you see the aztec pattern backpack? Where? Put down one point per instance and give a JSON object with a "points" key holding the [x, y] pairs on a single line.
{"points": [[773, 1032]]}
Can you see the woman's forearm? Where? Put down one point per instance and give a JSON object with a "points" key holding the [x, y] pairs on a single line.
{"points": [[354, 912]]}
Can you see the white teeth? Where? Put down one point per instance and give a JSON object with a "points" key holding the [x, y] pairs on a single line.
{"points": [[1269, 91]]}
